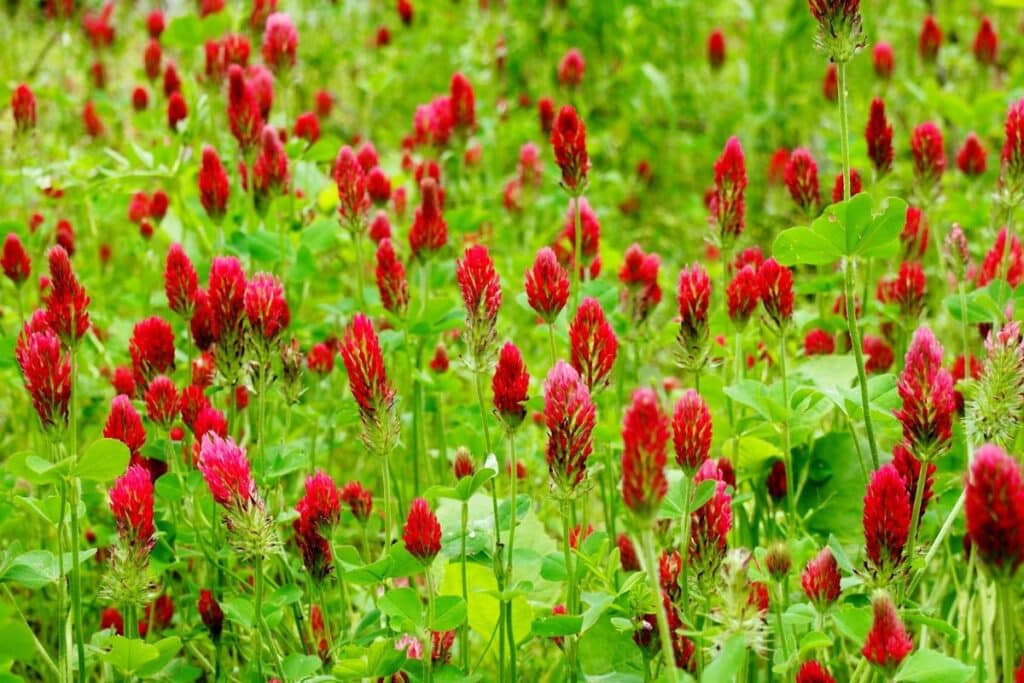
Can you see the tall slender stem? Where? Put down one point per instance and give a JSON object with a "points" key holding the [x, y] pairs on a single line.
{"points": [[76, 564], [386, 474], [787, 452], [257, 634], [915, 515], [464, 629], [428, 655], [577, 267], [570, 600], [1006, 635], [684, 547], [513, 496], [849, 290], [665, 635]]}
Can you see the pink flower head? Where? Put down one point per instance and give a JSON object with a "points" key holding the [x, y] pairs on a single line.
{"points": [[225, 468], [353, 201], [926, 389], [547, 285], [67, 301], [429, 232], [593, 344], [391, 279], [882, 59], [888, 641], [510, 385], [570, 417], [462, 102], [639, 274], [422, 532], [265, 306], [16, 264], [360, 351], [162, 401], [645, 431], [571, 68], [152, 348], [929, 153], [131, 503], [569, 141], [886, 519], [727, 205], [820, 579], [995, 510], [125, 425], [280, 39], [801, 177], [46, 371], [879, 137]]}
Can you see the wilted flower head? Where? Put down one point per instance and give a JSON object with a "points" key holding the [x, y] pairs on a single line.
{"points": [[820, 579], [510, 385], [644, 438], [570, 417], [569, 140], [422, 532], [391, 279], [639, 274], [926, 389], [995, 510], [214, 188], [547, 285], [593, 345], [888, 641], [801, 177], [886, 520], [691, 432], [727, 205]]}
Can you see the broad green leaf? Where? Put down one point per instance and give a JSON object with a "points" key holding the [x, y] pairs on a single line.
{"points": [[239, 610], [881, 239], [129, 654], [34, 569], [815, 640], [929, 666], [167, 649], [449, 613], [557, 625], [804, 246], [298, 667], [403, 604], [103, 460], [727, 662]]}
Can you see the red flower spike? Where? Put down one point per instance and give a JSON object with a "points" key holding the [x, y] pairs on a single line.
{"points": [[593, 345], [349, 176], [180, 281], [17, 265], [131, 503], [929, 153], [645, 433], [112, 619], [830, 83], [886, 520], [480, 286], [995, 510], [818, 342], [571, 68], [710, 523], [214, 187], [879, 354], [728, 206], [926, 389], [547, 285], [364, 362], [67, 301], [211, 614], [462, 103], [856, 186], [391, 279], [639, 274], [46, 371], [270, 170], [123, 381], [930, 40], [546, 114], [172, 81], [801, 177], [152, 348], [883, 60], [378, 186], [380, 227], [245, 117], [320, 359], [590, 233], [986, 43], [280, 40], [691, 432], [358, 500], [813, 672], [1013, 145], [320, 508], [440, 362], [570, 417], [94, 127], [888, 641], [463, 465], [879, 138], [429, 232], [743, 294], [23, 108], [162, 401], [569, 141], [177, 111], [821, 579], [914, 235], [776, 283], [422, 532], [125, 425], [510, 385], [265, 307], [225, 468], [972, 159], [628, 558], [909, 468], [226, 296], [716, 49]]}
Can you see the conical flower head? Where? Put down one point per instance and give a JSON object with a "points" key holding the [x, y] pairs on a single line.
{"points": [[886, 520], [46, 372], [23, 108], [820, 579], [813, 672], [569, 141], [888, 641], [270, 170], [320, 508], [995, 510], [693, 296], [214, 186], [710, 524], [16, 264], [429, 232], [593, 344], [570, 417], [162, 402], [926, 389], [879, 138], [691, 432], [801, 178], [210, 613], [481, 295], [510, 385], [462, 102], [280, 40], [1013, 146], [225, 468], [929, 154], [547, 285], [727, 205], [125, 424], [993, 414], [265, 307], [776, 284], [131, 503], [358, 499], [180, 281], [66, 302], [364, 362], [353, 200], [743, 295], [392, 283], [245, 118], [639, 274], [422, 532], [152, 348], [645, 432]]}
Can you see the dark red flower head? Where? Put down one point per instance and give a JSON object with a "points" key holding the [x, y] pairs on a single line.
{"points": [[422, 532], [180, 281], [480, 286], [270, 170], [879, 137], [360, 351], [820, 579], [391, 279], [1013, 145], [995, 510], [743, 294], [46, 372], [570, 417], [245, 117], [728, 207], [510, 385], [886, 520], [801, 177], [125, 425], [856, 186], [813, 672], [462, 102], [639, 274], [693, 295], [716, 49], [131, 503], [818, 342], [930, 39], [546, 114], [162, 402], [710, 523], [645, 432], [972, 158], [226, 296], [986, 43], [571, 68], [547, 285], [177, 110], [569, 140], [593, 344], [211, 614], [320, 358], [349, 176], [67, 301], [152, 348], [776, 283], [265, 307], [15, 261], [307, 127], [214, 187], [888, 641], [691, 432], [463, 465], [429, 232], [627, 554], [23, 107], [929, 153], [358, 499]]}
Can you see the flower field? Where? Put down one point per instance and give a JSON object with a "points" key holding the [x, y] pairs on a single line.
{"points": [[511, 341]]}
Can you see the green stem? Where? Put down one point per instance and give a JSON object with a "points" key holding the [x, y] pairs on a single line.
{"points": [[386, 474], [261, 420], [428, 660], [963, 327], [1007, 633], [577, 267], [464, 629], [551, 340], [848, 266], [787, 452], [40, 648], [257, 634], [651, 562], [76, 565], [684, 547], [511, 547], [357, 238], [570, 600], [915, 515]]}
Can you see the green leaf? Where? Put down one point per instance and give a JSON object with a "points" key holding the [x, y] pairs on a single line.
{"points": [[467, 486], [728, 662], [804, 246], [557, 625], [940, 625], [167, 648], [845, 229], [297, 667], [449, 613], [403, 605], [34, 569], [882, 237], [815, 640], [103, 460], [853, 622], [129, 654], [240, 611], [929, 666], [702, 494]]}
